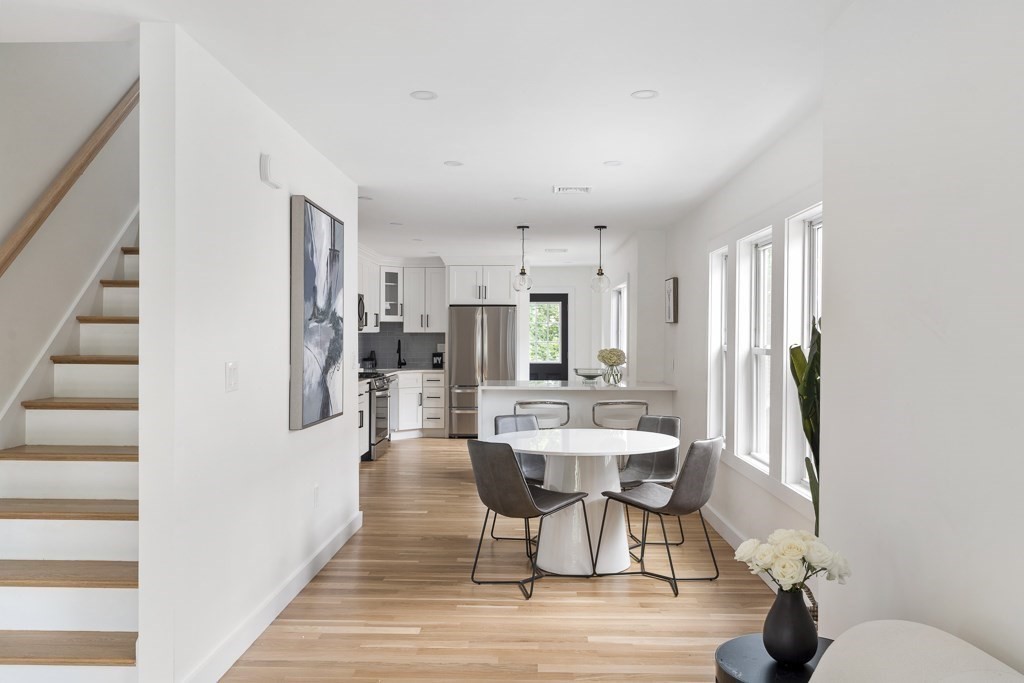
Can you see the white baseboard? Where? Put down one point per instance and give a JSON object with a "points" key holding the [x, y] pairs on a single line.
{"points": [[731, 535], [234, 646]]}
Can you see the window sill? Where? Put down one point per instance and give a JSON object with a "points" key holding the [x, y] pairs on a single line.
{"points": [[757, 472]]}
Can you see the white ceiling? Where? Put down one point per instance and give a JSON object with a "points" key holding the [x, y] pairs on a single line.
{"points": [[531, 93]]}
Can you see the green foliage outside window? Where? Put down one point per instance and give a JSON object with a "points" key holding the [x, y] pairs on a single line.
{"points": [[545, 332]]}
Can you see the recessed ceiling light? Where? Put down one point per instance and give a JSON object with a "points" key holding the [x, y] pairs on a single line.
{"points": [[423, 95], [519, 199], [394, 223], [366, 197], [612, 162], [556, 251], [644, 94], [416, 239], [453, 163]]}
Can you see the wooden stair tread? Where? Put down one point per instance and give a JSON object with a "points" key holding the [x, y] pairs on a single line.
{"points": [[95, 360], [69, 509], [82, 403], [72, 453], [129, 250], [68, 574], [82, 648], [108, 319], [119, 283]]}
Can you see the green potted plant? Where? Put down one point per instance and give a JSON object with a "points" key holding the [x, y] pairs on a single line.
{"points": [[806, 370]]}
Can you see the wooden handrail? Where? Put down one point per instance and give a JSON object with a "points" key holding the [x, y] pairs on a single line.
{"points": [[65, 180]]}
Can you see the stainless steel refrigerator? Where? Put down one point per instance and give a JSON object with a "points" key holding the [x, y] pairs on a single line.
{"points": [[481, 347]]}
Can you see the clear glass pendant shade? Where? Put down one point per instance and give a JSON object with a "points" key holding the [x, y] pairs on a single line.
{"points": [[600, 283], [522, 282]]}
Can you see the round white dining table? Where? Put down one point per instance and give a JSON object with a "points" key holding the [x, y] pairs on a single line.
{"points": [[584, 460]]}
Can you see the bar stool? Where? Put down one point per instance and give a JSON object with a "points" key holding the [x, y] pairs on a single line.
{"points": [[618, 414], [548, 412]]}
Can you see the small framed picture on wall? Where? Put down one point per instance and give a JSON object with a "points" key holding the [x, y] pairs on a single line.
{"points": [[672, 300]]}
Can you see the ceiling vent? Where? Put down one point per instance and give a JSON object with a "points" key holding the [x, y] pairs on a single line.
{"points": [[570, 189]]}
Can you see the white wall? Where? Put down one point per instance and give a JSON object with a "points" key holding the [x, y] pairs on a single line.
{"points": [[229, 530], [922, 390], [49, 108], [640, 264], [54, 95], [782, 181]]}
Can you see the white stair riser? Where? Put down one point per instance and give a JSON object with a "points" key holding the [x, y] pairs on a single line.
{"points": [[98, 339], [21, 479], [68, 674], [69, 609], [131, 266], [82, 427], [120, 301], [51, 539], [71, 380]]}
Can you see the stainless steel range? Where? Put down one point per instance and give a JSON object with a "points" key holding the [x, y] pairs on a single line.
{"points": [[380, 422]]}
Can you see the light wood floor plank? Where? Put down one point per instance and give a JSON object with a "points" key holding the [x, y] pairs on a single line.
{"points": [[396, 604]]}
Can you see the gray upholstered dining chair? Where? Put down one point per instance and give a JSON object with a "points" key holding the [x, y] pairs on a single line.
{"points": [[503, 489], [692, 490], [657, 468], [531, 464]]}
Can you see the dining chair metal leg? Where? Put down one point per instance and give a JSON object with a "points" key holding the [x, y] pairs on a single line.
{"points": [[507, 538], [668, 551], [600, 534], [636, 541], [534, 574]]}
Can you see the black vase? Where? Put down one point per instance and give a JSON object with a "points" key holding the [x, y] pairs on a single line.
{"points": [[789, 633]]}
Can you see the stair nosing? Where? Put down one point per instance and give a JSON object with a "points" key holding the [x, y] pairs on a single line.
{"points": [[126, 403], [94, 359], [108, 319], [122, 284], [32, 574], [64, 453], [81, 515]]}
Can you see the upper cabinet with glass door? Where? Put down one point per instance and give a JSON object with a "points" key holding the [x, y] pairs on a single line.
{"points": [[391, 308]]}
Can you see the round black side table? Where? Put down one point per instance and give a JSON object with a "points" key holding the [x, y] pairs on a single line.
{"points": [[744, 660]]}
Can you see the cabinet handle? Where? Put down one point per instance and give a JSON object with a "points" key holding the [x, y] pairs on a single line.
{"points": [[479, 292], [485, 291], [401, 309], [421, 320], [360, 419], [376, 319], [428, 320], [421, 399]]}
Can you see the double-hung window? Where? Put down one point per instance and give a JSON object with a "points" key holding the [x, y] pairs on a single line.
{"points": [[761, 349], [619, 318]]}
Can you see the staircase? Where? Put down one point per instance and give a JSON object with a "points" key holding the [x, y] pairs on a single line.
{"points": [[69, 508]]}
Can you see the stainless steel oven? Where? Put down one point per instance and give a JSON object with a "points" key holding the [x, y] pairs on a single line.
{"points": [[380, 412]]}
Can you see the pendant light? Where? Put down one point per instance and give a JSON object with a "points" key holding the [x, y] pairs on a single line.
{"points": [[523, 281], [600, 282]]}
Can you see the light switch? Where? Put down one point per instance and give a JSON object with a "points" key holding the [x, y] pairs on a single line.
{"points": [[231, 376]]}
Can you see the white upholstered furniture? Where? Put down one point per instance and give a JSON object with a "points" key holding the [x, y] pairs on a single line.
{"points": [[905, 652]]}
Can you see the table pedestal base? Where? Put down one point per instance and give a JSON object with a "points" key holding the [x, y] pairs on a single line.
{"points": [[563, 546]]}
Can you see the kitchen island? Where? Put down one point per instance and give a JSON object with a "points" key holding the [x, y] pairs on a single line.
{"points": [[499, 398]]}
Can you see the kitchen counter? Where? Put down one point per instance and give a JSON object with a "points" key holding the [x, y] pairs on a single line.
{"points": [[573, 385], [499, 398]]}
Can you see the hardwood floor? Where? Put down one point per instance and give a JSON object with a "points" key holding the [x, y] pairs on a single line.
{"points": [[396, 604]]}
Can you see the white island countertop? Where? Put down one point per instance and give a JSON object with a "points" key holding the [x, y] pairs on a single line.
{"points": [[572, 385]]}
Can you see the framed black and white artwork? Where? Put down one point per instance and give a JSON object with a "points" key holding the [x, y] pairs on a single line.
{"points": [[317, 314], [672, 300]]}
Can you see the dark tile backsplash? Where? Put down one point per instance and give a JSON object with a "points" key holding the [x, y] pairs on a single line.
{"points": [[416, 347]]}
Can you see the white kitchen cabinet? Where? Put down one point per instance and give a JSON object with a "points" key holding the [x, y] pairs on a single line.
{"points": [[369, 287], [410, 408], [483, 285], [364, 419], [425, 307], [391, 308]]}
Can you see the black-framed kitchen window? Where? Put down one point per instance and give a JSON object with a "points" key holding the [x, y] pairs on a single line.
{"points": [[549, 336]]}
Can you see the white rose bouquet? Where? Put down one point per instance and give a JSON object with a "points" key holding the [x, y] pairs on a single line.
{"points": [[791, 557], [611, 357]]}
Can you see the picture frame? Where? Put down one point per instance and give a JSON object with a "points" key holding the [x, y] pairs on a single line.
{"points": [[317, 314], [672, 300]]}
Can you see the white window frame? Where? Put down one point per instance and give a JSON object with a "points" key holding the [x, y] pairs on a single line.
{"points": [[761, 352], [746, 349], [802, 299], [619, 319], [718, 342]]}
